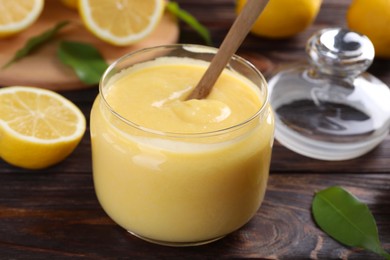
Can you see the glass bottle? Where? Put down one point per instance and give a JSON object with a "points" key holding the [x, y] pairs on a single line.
{"points": [[331, 108]]}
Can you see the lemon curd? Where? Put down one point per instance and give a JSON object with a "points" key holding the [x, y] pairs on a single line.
{"points": [[176, 171]]}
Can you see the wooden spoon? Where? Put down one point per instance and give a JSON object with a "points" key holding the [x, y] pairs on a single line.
{"points": [[229, 46]]}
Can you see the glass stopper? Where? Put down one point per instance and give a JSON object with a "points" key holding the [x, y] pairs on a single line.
{"points": [[331, 108], [340, 51]]}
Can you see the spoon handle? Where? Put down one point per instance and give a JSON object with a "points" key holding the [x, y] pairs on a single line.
{"points": [[229, 46]]}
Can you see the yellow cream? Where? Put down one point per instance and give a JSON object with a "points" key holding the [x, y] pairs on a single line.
{"points": [[186, 187]]}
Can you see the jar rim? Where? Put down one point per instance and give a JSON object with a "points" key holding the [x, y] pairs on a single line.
{"points": [[194, 48]]}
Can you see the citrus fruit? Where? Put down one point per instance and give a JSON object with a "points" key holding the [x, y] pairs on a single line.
{"points": [[121, 22], [372, 18], [73, 4], [284, 18], [18, 15], [38, 127]]}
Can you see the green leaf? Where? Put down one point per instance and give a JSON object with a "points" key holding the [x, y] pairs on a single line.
{"points": [[346, 219], [35, 42], [84, 59], [186, 17]]}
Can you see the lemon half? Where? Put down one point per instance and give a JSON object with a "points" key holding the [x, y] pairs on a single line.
{"points": [[38, 127], [18, 15], [121, 22]]}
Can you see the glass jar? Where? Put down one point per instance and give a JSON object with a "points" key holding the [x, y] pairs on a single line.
{"points": [[331, 109], [178, 188]]}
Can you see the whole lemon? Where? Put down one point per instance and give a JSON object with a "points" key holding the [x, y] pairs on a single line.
{"points": [[372, 18], [284, 18]]}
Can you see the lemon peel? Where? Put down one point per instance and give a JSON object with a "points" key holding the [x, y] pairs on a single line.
{"points": [[38, 127], [120, 22], [284, 18], [18, 15], [372, 18]]}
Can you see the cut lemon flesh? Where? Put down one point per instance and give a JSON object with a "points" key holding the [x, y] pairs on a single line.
{"points": [[38, 127], [121, 22], [18, 15]]}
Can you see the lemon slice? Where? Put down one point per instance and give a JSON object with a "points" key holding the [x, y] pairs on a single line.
{"points": [[120, 22], [17, 15], [38, 127]]}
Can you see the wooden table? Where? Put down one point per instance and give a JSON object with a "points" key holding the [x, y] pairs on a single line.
{"points": [[54, 213]]}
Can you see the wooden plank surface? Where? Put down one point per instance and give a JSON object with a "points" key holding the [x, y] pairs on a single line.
{"points": [[43, 68], [54, 213]]}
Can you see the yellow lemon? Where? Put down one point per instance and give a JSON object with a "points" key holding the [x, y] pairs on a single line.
{"points": [[284, 18], [70, 3], [372, 18], [121, 22], [38, 127], [18, 15]]}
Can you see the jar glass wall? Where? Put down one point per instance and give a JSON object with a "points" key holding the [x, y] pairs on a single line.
{"points": [[166, 183]]}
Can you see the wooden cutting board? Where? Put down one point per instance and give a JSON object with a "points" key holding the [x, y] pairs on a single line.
{"points": [[43, 69]]}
